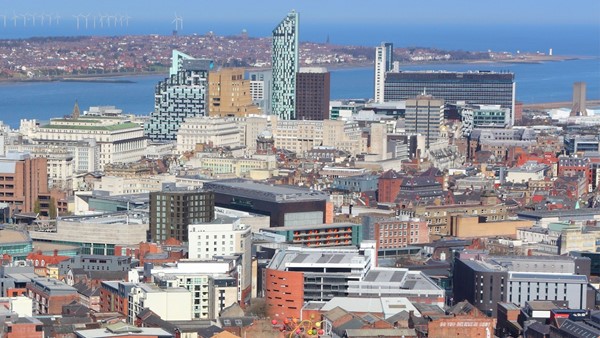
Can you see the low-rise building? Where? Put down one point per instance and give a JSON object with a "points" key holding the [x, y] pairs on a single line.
{"points": [[49, 295], [169, 303]]}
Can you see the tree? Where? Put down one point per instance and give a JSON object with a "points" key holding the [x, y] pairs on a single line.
{"points": [[258, 308], [52, 208], [37, 206]]}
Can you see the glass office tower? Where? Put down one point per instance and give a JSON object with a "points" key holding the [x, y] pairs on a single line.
{"points": [[285, 67]]}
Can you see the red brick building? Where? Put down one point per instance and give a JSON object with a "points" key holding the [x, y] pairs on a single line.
{"points": [[23, 181], [49, 295], [388, 186], [23, 327], [284, 293], [395, 233], [114, 296]]}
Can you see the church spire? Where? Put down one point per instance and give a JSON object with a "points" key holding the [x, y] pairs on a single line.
{"points": [[75, 113]]}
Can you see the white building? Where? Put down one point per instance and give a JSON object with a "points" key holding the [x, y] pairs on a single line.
{"points": [[169, 303], [119, 139], [225, 236], [384, 56], [212, 283], [218, 131], [525, 173]]}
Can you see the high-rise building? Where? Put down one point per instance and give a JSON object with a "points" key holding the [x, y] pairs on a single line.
{"points": [[424, 115], [229, 93], [261, 83], [285, 67], [24, 183], [487, 88], [312, 93], [384, 60], [172, 210], [183, 94], [579, 99]]}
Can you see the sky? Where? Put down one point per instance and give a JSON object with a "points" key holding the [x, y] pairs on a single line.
{"points": [[570, 27], [582, 12]]}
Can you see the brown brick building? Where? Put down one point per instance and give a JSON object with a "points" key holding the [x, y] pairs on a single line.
{"points": [[312, 94], [389, 186], [23, 181]]}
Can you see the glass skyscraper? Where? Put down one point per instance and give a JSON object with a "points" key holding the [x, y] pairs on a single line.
{"points": [[285, 67], [183, 94]]}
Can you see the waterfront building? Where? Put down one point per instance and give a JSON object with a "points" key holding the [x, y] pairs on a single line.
{"points": [[216, 131], [261, 83], [172, 210], [183, 94], [119, 139], [425, 115], [384, 59], [312, 93], [487, 88], [579, 107], [285, 67], [485, 282], [229, 93]]}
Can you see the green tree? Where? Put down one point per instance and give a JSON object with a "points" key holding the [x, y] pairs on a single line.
{"points": [[52, 207], [37, 206]]}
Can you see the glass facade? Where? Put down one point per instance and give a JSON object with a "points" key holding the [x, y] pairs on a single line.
{"points": [[285, 67], [183, 94], [485, 88]]}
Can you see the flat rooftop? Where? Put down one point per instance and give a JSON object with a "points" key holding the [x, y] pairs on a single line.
{"points": [[318, 257], [264, 192]]}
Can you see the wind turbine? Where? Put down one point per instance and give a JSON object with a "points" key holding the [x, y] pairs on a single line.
{"points": [[86, 20], [25, 19], [49, 19], [101, 20], [127, 17], [42, 18], [33, 16], [94, 21], [4, 17], [77, 18], [15, 17], [178, 22], [57, 17]]}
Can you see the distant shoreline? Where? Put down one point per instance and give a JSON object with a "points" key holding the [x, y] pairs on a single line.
{"points": [[114, 77]]}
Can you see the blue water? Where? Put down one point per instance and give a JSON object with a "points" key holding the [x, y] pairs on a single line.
{"points": [[563, 38], [544, 82]]}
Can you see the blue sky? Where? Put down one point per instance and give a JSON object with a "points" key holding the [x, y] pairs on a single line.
{"points": [[584, 12]]}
